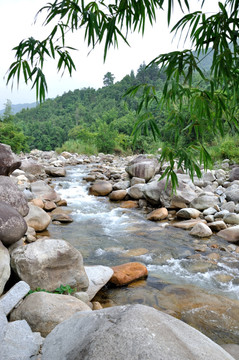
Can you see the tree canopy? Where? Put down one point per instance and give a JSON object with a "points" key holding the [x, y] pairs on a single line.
{"points": [[211, 105]]}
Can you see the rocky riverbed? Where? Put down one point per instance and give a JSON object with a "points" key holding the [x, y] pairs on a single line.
{"points": [[32, 208]]}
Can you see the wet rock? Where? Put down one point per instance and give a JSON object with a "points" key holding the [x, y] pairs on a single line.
{"points": [[188, 213], [117, 195], [98, 277], [126, 273], [62, 218], [136, 191], [135, 252], [37, 218], [49, 206], [130, 204], [96, 305], [8, 160], [158, 214], [153, 335], [232, 349], [188, 224], [10, 194], [100, 188], [48, 264], [221, 214], [213, 256], [136, 180], [209, 218], [142, 167], [121, 185], [29, 166], [230, 206], [234, 174], [4, 267], [38, 202], [12, 224], [217, 225], [204, 201], [43, 311], [209, 176], [232, 193], [231, 218], [55, 171], [231, 234], [43, 191], [209, 211], [201, 230], [156, 193]]}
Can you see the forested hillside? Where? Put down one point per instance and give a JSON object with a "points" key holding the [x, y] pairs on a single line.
{"points": [[95, 120], [91, 121]]}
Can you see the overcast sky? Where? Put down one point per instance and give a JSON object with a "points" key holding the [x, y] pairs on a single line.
{"points": [[17, 23]]}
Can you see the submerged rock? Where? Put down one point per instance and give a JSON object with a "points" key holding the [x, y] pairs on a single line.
{"points": [[126, 273]]}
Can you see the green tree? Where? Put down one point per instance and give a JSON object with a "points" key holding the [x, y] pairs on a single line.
{"points": [[106, 22], [108, 79]]}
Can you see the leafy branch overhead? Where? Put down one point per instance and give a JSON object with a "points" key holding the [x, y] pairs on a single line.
{"points": [[211, 105]]}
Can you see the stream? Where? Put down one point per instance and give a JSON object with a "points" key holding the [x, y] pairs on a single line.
{"points": [[195, 280]]}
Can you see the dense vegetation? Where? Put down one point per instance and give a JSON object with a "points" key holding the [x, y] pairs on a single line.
{"points": [[91, 121]]}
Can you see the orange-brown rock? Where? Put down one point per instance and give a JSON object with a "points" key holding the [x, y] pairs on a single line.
{"points": [[130, 204], [126, 273], [100, 188], [117, 195], [62, 202], [38, 202], [49, 205], [158, 214]]}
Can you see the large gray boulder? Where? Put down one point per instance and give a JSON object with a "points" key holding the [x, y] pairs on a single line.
{"points": [[142, 167], [8, 160], [156, 192], [32, 167], [232, 193], [37, 218], [234, 174], [12, 224], [56, 171], [48, 264], [19, 342], [130, 332], [4, 267], [10, 194], [43, 191], [231, 234], [43, 311], [204, 201]]}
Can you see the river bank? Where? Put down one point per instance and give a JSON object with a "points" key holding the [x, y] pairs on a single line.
{"points": [[111, 232]]}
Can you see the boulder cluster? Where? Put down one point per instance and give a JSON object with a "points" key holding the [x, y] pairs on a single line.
{"points": [[38, 324]]}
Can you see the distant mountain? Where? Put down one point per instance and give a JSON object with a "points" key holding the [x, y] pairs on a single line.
{"points": [[19, 107]]}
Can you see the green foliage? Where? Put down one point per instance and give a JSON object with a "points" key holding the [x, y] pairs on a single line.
{"points": [[225, 148], [62, 289], [11, 133], [76, 146], [108, 79]]}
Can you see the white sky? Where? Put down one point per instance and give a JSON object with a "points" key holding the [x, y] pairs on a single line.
{"points": [[17, 23]]}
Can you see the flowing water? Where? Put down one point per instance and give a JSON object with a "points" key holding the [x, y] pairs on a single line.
{"points": [[183, 272]]}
